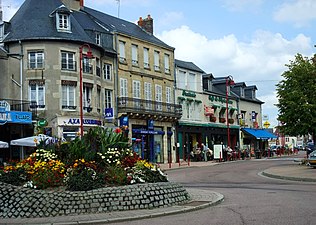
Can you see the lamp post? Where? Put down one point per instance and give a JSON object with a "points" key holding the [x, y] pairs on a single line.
{"points": [[89, 56], [229, 82]]}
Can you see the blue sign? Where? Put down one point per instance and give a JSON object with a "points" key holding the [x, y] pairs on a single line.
{"points": [[108, 113], [150, 124], [138, 131], [124, 121], [16, 117]]}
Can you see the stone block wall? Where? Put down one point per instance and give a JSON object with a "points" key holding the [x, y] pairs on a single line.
{"points": [[19, 202]]}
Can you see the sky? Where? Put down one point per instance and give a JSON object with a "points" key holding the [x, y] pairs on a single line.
{"points": [[251, 40]]}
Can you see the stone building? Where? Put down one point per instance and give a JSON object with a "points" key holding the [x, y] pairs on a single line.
{"points": [[80, 68]]}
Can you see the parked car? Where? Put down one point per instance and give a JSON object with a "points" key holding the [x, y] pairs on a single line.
{"points": [[311, 161], [274, 148]]}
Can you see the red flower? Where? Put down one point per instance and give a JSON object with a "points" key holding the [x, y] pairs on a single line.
{"points": [[117, 130]]}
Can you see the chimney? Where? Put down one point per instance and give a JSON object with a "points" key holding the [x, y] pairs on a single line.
{"points": [[147, 24], [73, 4]]}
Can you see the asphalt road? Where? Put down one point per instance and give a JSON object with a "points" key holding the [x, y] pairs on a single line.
{"points": [[250, 198]]}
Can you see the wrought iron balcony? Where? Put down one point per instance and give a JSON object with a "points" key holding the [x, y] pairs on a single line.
{"points": [[146, 108]]}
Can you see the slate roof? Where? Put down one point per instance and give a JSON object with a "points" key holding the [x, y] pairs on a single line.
{"points": [[188, 65], [124, 27], [33, 22]]}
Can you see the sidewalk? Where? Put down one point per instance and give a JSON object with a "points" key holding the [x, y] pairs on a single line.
{"points": [[199, 198]]}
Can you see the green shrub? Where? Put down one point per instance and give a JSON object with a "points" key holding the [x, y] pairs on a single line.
{"points": [[15, 177]]}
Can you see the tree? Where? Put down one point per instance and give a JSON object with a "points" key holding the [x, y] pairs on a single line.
{"points": [[297, 97]]}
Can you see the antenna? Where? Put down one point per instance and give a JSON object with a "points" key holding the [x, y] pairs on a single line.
{"points": [[118, 7], [1, 15]]}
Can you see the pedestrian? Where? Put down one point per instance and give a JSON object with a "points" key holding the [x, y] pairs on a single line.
{"points": [[204, 149]]}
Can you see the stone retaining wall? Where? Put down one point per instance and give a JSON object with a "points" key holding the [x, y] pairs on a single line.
{"points": [[23, 202]]}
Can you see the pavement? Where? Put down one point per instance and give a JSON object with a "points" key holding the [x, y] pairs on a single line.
{"points": [[199, 198]]}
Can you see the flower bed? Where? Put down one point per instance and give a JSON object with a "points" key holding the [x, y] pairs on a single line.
{"points": [[101, 158]]}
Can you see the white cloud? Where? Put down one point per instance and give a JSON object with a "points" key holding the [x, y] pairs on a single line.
{"points": [[299, 12], [260, 62]]}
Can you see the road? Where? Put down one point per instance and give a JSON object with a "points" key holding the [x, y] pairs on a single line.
{"points": [[250, 198]]}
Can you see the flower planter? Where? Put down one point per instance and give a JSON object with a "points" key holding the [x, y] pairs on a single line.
{"points": [[213, 119], [222, 120]]}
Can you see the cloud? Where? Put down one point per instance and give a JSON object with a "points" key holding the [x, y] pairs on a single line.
{"points": [[260, 62], [242, 5], [298, 12]]}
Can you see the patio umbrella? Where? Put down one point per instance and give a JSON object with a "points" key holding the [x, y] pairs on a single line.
{"points": [[4, 144], [32, 141]]}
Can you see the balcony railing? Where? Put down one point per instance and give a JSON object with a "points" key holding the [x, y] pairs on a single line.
{"points": [[141, 106]]}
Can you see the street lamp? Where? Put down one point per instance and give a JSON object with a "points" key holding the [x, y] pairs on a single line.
{"points": [[89, 56], [229, 82]]}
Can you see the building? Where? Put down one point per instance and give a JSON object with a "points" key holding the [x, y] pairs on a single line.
{"points": [[80, 68]]}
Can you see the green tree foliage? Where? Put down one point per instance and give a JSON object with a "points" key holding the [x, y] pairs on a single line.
{"points": [[297, 97]]}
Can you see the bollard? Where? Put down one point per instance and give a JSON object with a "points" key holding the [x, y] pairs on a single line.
{"points": [[220, 157]]}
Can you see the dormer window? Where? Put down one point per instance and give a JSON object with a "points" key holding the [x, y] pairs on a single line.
{"points": [[1, 31], [63, 22], [98, 38]]}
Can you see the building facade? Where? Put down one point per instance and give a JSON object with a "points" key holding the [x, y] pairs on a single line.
{"points": [[79, 68]]}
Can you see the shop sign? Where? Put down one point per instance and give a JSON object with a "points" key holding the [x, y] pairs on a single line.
{"points": [[75, 121], [219, 99], [16, 117], [150, 124], [108, 113], [4, 106], [137, 131], [124, 121], [188, 93], [42, 123]]}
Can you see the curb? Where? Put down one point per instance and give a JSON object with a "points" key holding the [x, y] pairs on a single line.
{"points": [[287, 177], [182, 209]]}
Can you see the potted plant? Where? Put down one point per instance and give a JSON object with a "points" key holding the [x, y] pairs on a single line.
{"points": [[222, 120]]}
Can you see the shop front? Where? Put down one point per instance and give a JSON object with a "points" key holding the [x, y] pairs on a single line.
{"points": [[69, 127], [191, 136]]}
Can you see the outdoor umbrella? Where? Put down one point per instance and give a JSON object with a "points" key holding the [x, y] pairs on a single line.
{"points": [[32, 141], [4, 144]]}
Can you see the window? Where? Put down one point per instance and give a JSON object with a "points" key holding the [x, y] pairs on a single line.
{"points": [[86, 66], [108, 98], [167, 66], [68, 96], [156, 61], [168, 98], [87, 96], [98, 101], [123, 90], [36, 59], [134, 55], [37, 95], [98, 38], [191, 82], [181, 76], [68, 61], [98, 67], [146, 58], [136, 93], [1, 31], [122, 58], [63, 22], [158, 98], [148, 95], [107, 68]]}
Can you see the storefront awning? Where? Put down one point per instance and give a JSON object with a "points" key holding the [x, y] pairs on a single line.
{"points": [[259, 133]]}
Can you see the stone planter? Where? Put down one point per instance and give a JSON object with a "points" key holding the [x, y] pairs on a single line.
{"points": [[28, 203]]}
